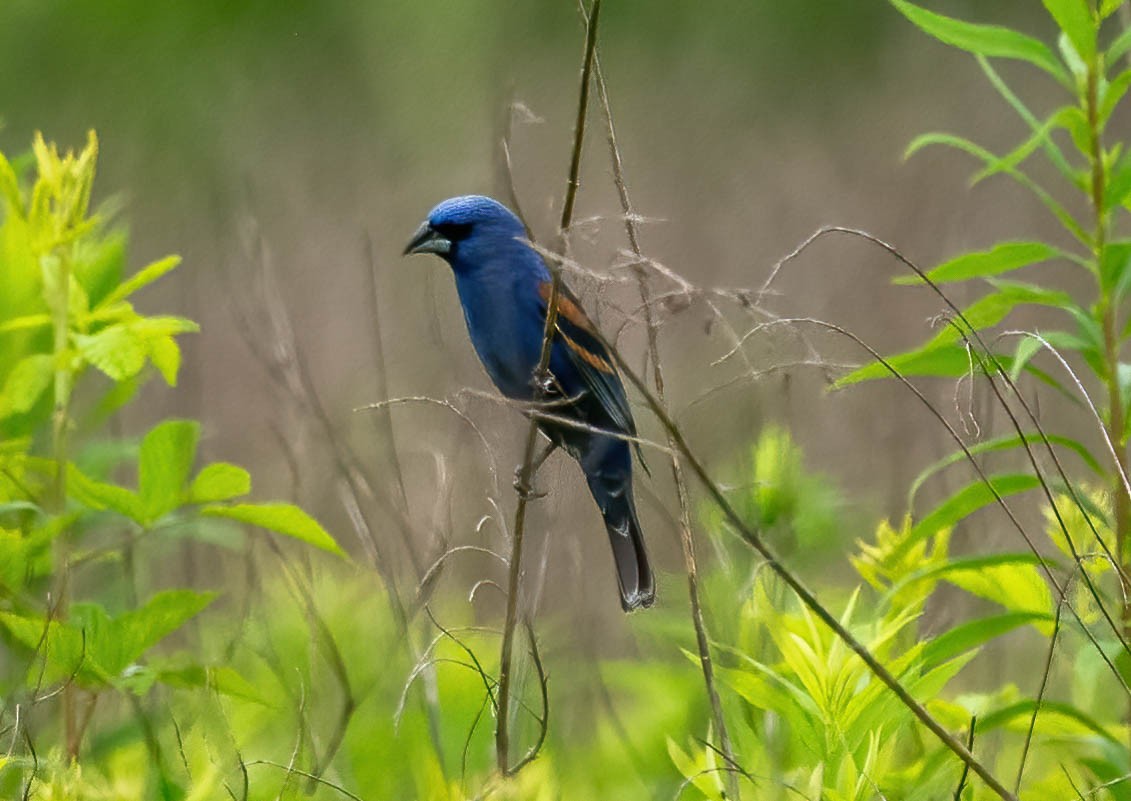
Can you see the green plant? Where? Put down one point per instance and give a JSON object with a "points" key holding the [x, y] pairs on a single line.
{"points": [[73, 349], [1079, 358]]}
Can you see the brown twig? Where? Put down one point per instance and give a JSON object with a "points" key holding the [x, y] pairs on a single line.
{"points": [[525, 477], [1040, 695], [966, 768]]}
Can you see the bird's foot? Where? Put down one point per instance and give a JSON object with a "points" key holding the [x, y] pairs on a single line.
{"points": [[544, 382], [524, 489]]}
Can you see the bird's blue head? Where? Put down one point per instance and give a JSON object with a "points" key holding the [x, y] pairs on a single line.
{"points": [[468, 230]]}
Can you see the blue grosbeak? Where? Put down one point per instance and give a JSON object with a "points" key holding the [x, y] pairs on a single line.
{"points": [[504, 288]]}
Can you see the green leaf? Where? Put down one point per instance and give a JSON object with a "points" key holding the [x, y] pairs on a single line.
{"points": [[695, 769], [282, 518], [1027, 348], [950, 361], [990, 160], [968, 500], [1119, 47], [144, 277], [1074, 18], [1003, 443], [1072, 58], [219, 481], [986, 40], [1057, 720], [98, 264], [938, 361], [1119, 183], [165, 325], [27, 382], [1112, 93], [1011, 580], [138, 630], [116, 350], [61, 648], [165, 354], [219, 678], [970, 635], [980, 264], [25, 323], [944, 355], [1040, 136], [10, 188], [1109, 7], [164, 463], [97, 648], [99, 495]]}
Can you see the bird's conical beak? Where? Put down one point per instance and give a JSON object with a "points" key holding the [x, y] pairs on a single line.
{"points": [[428, 240]]}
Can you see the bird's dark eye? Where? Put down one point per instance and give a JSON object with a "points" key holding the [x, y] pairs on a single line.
{"points": [[453, 232]]}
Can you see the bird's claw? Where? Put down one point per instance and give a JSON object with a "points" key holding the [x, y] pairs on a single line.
{"points": [[524, 489], [543, 382]]}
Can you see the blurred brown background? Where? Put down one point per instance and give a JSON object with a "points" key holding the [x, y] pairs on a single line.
{"points": [[312, 129]]}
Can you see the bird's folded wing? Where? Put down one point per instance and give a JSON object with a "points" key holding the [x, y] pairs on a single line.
{"points": [[590, 356]]}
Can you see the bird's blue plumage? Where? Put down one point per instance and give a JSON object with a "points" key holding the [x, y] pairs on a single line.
{"points": [[504, 287]]}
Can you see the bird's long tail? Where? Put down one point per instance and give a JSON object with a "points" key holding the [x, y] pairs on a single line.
{"points": [[634, 573]]}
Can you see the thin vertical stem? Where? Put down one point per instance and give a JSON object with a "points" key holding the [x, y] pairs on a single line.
{"points": [[526, 473], [1109, 313], [59, 422]]}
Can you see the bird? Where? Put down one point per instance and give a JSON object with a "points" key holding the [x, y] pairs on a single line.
{"points": [[504, 287]]}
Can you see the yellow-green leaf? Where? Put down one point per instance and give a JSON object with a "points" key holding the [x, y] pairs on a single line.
{"points": [[980, 264], [282, 518], [144, 277], [986, 40], [219, 481]]}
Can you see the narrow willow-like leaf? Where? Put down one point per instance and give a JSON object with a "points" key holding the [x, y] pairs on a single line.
{"points": [[1072, 58], [25, 323], [1119, 47], [968, 500], [1074, 18], [1109, 7], [144, 277], [10, 188], [282, 518], [940, 361], [986, 40], [1040, 130], [1004, 443], [1027, 348], [1115, 266], [1001, 258], [1072, 721], [1012, 581], [972, 634], [1112, 94], [943, 356], [988, 158], [165, 354], [1119, 184]]}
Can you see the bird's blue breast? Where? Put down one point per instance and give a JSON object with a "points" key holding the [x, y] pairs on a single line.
{"points": [[505, 328]]}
